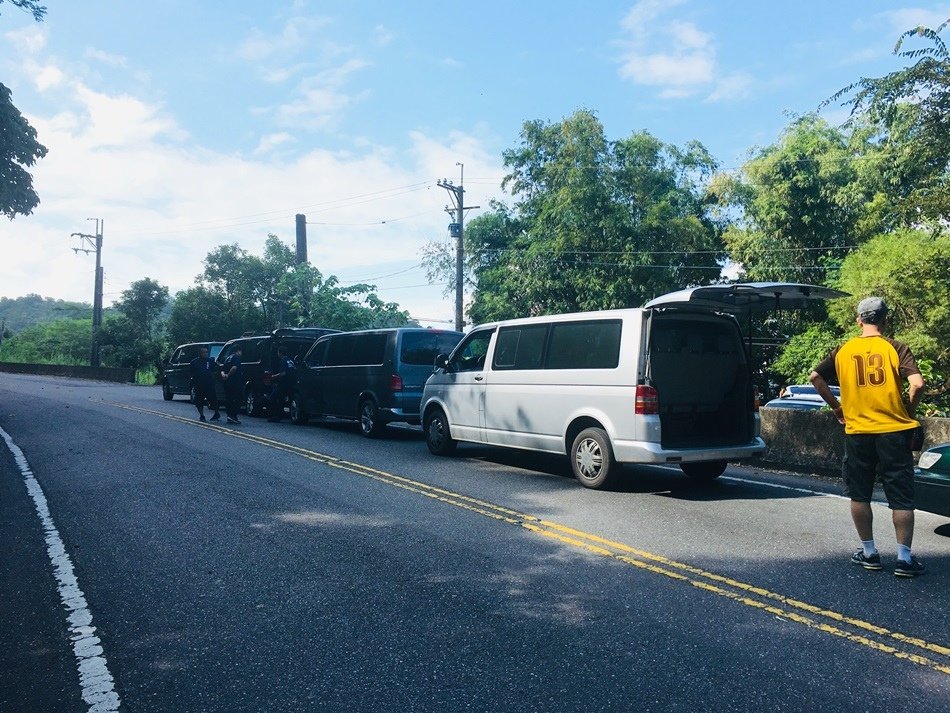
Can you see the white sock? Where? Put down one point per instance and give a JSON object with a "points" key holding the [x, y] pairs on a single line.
{"points": [[869, 547], [903, 553]]}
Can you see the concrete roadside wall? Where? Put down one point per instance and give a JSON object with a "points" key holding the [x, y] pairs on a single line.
{"points": [[814, 440], [99, 373]]}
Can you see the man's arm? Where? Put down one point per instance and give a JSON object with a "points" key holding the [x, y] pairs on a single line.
{"points": [[915, 391], [821, 386]]}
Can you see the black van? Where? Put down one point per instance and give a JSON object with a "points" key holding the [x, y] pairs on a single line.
{"points": [[176, 372], [375, 376], [259, 359]]}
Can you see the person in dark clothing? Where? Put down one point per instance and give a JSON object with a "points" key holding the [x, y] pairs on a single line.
{"points": [[202, 379], [284, 380], [231, 375]]}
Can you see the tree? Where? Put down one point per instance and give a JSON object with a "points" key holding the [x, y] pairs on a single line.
{"points": [[596, 224], [141, 304], [133, 337], [796, 205], [31, 6], [911, 109], [910, 269], [199, 314], [19, 148]]}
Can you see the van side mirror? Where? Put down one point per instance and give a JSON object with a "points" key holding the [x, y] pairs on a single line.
{"points": [[442, 362]]}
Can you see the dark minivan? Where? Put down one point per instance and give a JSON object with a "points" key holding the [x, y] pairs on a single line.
{"points": [[259, 359], [176, 372], [374, 376]]}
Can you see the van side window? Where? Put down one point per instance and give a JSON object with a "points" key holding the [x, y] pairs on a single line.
{"points": [[317, 355], [470, 355], [368, 349], [422, 347], [585, 345], [340, 351], [251, 351], [520, 347]]}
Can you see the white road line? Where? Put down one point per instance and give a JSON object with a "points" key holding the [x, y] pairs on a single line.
{"points": [[783, 487], [98, 689]]}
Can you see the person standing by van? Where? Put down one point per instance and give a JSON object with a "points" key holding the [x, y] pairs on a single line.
{"points": [[231, 375], [202, 379], [284, 380], [870, 369]]}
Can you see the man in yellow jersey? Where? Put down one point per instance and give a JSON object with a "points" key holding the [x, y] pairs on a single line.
{"points": [[870, 370]]}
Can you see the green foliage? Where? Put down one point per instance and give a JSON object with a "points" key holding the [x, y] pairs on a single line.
{"points": [[18, 151], [200, 314], [147, 376], [596, 224], [909, 108], [22, 312], [65, 341], [798, 205], [804, 351]]}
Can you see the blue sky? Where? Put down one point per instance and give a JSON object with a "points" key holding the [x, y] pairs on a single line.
{"points": [[185, 125]]}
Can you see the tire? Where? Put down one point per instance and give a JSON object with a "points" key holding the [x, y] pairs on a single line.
{"points": [[297, 413], [370, 424], [167, 391], [252, 405], [704, 470], [592, 459], [436, 429]]}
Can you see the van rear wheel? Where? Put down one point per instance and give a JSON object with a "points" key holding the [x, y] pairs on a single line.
{"points": [[592, 459], [370, 424], [167, 391], [436, 429], [705, 470]]}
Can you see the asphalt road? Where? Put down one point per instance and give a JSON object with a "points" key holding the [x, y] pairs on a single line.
{"points": [[271, 567]]}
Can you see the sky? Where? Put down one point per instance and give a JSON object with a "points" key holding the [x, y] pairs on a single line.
{"points": [[188, 125]]}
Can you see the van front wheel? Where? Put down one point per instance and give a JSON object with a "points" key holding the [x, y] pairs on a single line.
{"points": [[705, 470], [436, 429], [592, 459]]}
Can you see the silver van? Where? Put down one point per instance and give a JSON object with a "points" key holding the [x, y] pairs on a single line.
{"points": [[666, 383]]}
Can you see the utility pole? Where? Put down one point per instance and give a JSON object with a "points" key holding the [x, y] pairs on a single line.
{"points": [[88, 244], [457, 231]]}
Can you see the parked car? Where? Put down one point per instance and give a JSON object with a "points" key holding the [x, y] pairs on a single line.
{"points": [[666, 383], [176, 372], [801, 396], [932, 480], [374, 376], [259, 359]]}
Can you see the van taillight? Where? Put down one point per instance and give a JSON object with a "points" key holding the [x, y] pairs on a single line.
{"points": [[395, 382], [646, 402]]}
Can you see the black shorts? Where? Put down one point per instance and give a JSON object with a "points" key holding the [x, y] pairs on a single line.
{"points": [[866, 455]]}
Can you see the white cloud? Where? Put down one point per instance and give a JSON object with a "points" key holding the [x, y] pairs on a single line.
{"points": [[907, 18], [167, 202], [320, 99], [112, 60], [686, 64], [293, 36], [27, 41]]}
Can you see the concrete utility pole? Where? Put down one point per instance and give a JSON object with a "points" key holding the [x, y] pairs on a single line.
{"points": [[88, 244], [457, 231]]}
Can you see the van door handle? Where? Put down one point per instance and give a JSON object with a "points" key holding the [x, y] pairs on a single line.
{"points": [[479, 378]]}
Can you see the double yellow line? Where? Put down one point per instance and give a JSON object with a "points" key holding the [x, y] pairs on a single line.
{"points": [[908, 648]]}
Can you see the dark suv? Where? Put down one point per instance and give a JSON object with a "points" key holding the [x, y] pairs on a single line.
{"points": [[176, 372], [259, 359], [374, 376]]}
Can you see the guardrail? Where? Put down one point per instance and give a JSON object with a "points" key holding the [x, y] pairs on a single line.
{"points": [[98, 373]]}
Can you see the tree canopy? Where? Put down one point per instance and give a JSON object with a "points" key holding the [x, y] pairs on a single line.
{"points": [[596, 223]]}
